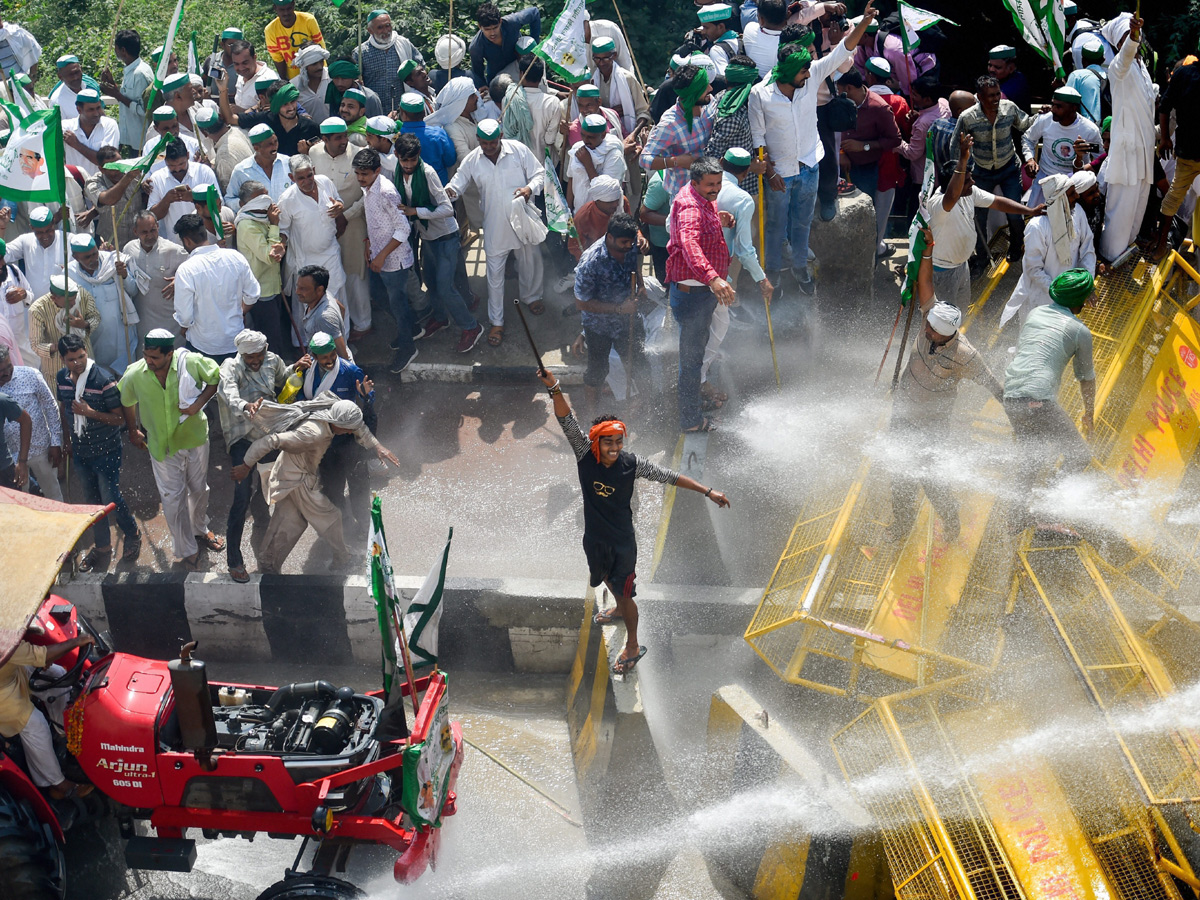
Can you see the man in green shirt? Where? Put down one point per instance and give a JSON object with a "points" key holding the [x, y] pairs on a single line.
{"points": [[168, 391], [1051, 337]]}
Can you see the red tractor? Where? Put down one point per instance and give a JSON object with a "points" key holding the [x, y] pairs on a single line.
{"points": [[165, 746]]}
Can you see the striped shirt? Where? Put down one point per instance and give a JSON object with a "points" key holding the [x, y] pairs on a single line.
{"points": [[994, 147]]}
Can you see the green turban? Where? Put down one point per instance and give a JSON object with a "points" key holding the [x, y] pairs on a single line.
{"points": [[343, 68], [3, 247], [690, 96], [787, 68], [740, 79], [289, 93], [1106, 125], [1072, 288]]}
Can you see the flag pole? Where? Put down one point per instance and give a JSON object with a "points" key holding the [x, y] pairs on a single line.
{"points": [[398, 624], [121, 289], [762, 249], [636, 68], [912, 301]]}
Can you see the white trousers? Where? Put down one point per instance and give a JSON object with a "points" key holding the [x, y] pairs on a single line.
{"points": [[39, 751], [1124, 207], [717, 329], [529, 277], [358, 302], [47, 476], [182, 480], [883, 209]]}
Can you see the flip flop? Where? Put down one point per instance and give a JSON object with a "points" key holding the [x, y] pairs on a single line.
{"points": [[191, 563], [496, 335], [624, 665], [210, 541], [239, 574], [133, 549], [606, 616], [537, 307]]}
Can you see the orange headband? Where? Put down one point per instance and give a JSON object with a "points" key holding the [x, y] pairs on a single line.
{"points": [[612, 426]]}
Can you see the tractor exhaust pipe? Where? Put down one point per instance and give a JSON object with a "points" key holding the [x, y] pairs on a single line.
{"points": [[193, 706]]}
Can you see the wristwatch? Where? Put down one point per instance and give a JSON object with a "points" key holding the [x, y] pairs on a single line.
{"points": [[866, 148]]}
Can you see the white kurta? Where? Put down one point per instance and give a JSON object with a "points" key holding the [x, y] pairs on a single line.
{"points": [[156, 267], [1130, 163], [17, 314], [608, 158], [516, 167], [1040, 265], [64, 98], [312, 234], [106, 134], [115, 341], [162, 182], [40, 262]]}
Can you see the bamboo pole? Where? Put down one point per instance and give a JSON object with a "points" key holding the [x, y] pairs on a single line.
{"points": [[762, 250]]}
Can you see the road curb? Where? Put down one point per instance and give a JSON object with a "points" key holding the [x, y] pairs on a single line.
{"points": [[479, 373], [489, 624]]}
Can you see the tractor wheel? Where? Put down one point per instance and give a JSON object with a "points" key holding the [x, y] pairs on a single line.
{"points": [[31, 864], [312, 887]]}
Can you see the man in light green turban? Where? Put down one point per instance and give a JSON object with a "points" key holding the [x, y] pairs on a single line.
{"points": [[1051, 337]]}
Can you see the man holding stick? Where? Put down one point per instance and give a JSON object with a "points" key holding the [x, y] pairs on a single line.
{"points": [[606, 475]]}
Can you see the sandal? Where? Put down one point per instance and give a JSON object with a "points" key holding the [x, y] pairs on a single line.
{"points": [[191, 563], [210, 541], [133, 548], [706, 424], [95, 559], [607, 616], [496, 335], [239, 574], [537, 307], [624, 664]]}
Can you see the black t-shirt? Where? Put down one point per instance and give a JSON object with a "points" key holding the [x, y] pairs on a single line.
{"points": [[101, 394], [289, 141], [1183, 96], [608, 490]]}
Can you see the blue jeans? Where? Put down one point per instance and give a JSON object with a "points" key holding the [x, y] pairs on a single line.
{"points": [[441, 260], [244, 496], [1007, 182], [789, 213], [693, 311], [393, 285], [100, 478]]}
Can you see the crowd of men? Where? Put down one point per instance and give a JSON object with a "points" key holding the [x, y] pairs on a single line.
{"points": [[300, 202]]}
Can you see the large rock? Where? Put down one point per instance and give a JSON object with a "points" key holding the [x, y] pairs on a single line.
{"points": [[845, 250]]}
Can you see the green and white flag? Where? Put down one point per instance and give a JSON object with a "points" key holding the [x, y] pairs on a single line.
{"points": [[383, 591], [564, 49], [193, 61], [142, 163], [22, 99], [916, 249], [1043, 25], [31, 163], [558, 214], [424, 614], [160, 74], [915, 21]]}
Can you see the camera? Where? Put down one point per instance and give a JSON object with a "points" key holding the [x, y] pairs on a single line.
{"points": [[216, 73], [1093, 148]]}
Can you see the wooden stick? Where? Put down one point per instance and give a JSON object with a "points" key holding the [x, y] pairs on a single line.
{"points": [[536, 355], [762, 251], [904, 340], [398, 624], [888, 348], [637, 70]]}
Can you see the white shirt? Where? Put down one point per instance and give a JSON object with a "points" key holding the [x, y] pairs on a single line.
{"points": [[160, 163], [162, 181], [1040, 265], [17, 314], [762, 46], [64, 98], [788, 128], [40, 262], [515, 167], [312, 234], [608, 158], [954, 231], [1131, 151], [106, 133], [439, 220], [546, 110], [246, 96], [249, 170], [24, 46], [1058, 143], [210, 287]]}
